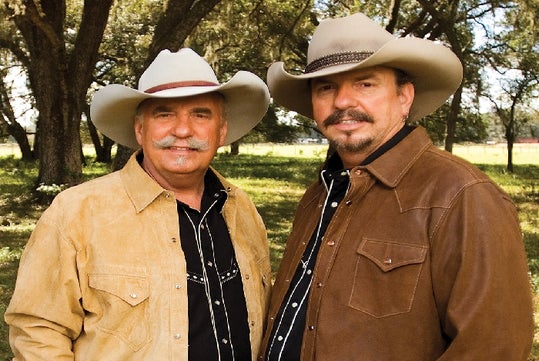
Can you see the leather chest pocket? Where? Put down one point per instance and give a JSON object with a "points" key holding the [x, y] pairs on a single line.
{"points": [[386, 277], [124, 303]]}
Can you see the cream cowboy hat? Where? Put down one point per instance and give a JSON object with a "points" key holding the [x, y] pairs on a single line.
{"points": [[357, 42], [173, 75]]}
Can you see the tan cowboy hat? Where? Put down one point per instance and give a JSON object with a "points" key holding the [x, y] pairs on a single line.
{"points": [[174, 75], [357, 42]]}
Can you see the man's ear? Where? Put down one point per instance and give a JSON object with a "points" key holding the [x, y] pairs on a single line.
{"points": [[223, 132], [137, 124], [407, 95]]}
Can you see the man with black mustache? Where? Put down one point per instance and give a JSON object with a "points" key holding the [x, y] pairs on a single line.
{"points": [[164, 259], [400, 251]]}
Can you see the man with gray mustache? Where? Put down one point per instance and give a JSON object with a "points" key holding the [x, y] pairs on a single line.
{"points": [[164, 259]]}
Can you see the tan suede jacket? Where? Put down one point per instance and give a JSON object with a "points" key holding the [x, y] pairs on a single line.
{"points": [[103, 276], [422, 261]]}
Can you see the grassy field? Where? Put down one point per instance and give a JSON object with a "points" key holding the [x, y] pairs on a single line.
{"points": [[275, 176]]}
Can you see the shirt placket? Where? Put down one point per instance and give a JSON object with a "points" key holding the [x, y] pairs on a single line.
{"points": [[213, 284], [285, 340], [214, 287]]}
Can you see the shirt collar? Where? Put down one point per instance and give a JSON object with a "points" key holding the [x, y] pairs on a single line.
{"points": [[214, 191], [143, 190], [140, 187]]}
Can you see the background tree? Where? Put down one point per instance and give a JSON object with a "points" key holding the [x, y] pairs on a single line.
{"points": [[55, 44], [515, 60], [250, 35], [122, 56], [59, 76], [58, 42], [515, 91], [8, 122], [13, 84]]}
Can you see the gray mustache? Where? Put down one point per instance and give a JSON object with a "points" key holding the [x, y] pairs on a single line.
{"points": [[170, 140]]}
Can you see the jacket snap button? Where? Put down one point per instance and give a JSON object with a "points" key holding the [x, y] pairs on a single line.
{"points": [[388, 261]]}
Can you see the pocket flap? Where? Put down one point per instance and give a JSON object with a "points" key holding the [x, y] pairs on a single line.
{"points": [[390, 255], [131, 289]]}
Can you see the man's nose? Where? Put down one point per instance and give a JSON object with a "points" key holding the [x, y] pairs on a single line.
{"points": [[345, 98], [182, 126]]}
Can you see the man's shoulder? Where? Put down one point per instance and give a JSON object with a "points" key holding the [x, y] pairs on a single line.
{"points": [[94, 190], [438, 177], [447, 165]]}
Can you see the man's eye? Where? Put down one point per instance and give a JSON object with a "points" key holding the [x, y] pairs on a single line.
{"points": [[364, 84], [200, 115], [163, 115], [325, 88]]}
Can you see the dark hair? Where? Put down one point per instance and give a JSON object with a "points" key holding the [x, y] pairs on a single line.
{"points": [[403, 77]]}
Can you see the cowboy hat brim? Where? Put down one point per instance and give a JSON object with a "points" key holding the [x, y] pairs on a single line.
{"points": [[114, 107], [436, 70]]}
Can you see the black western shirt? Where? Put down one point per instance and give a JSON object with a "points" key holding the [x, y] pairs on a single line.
{"points": [[218, 328]]}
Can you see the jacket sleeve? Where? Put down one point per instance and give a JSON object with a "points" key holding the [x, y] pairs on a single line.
{"points": [[45, 313], [480, 278]]}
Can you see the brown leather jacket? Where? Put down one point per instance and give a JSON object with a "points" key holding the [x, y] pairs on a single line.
{"points": [[423, 260]]}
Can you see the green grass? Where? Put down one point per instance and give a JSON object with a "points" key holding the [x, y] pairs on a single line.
{"points": [[275, 184], [275, 177]]}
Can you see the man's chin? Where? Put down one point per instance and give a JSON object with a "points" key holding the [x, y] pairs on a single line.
{"points": [[351, 146]]}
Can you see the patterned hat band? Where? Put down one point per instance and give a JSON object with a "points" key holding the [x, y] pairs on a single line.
{"points": [[337, 59]]}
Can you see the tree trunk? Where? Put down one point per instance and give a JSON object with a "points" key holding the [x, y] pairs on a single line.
{"points": [[19, 134], [452, 118], [122, 156], [235, 148], [102, 151], [59, 149], [59, 80], [510, 157], [15, 129], [510, 137]]}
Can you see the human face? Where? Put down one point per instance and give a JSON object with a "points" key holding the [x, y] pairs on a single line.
{"points": [[360, 110], [180, 135]]}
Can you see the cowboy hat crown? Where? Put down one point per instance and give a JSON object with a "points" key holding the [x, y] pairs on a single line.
{"points": [[356, 42], [179, 74]]}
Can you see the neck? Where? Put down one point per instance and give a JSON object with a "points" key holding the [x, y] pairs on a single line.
{"points": [[187, 188]]}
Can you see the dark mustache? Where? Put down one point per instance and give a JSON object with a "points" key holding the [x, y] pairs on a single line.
{"points": [[338, 116]]}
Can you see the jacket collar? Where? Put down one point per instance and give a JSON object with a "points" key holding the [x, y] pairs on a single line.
{"points": [[143, 190], [390, 167]]}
